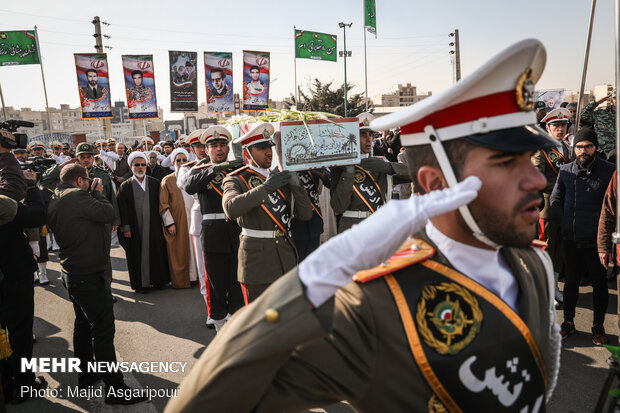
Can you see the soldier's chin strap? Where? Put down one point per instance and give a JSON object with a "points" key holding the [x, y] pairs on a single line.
{"points": [[247, 150], [446, 168]]}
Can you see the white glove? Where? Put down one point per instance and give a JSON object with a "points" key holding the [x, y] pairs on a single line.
{"points": [[333, 264], [35, 248]]}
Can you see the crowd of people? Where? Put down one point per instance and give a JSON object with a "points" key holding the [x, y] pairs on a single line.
{"points": [[186, 212]]}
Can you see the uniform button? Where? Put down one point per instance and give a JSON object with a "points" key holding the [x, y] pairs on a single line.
{"points": [[277, 241], [272, 315]]}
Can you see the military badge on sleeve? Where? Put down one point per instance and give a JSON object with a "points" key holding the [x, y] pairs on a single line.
{"points": [[448, 317], [359, 177]]}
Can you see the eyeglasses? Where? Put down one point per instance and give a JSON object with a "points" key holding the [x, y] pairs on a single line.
{"points": [[584, 147], [181, 160], [138, 164]]}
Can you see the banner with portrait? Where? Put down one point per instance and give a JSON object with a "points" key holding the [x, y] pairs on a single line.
{"points": [[219, 81], [183, 81], [139, 76], [93, 85], [553, 98], [18, 47], [255, 80]]}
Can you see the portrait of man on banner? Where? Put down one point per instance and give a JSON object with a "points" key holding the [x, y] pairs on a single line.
{"points": [[183, 81], [140, 86], [219, 82], [255, 80], [93, 85]]}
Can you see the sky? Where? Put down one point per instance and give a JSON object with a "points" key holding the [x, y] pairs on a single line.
{"points": [[412, 43]]}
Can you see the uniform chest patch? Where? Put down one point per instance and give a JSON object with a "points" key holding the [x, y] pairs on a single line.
{"points": [[448, 317]]}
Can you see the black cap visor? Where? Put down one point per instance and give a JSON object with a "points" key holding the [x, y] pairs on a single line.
{"points": [[520, 139], [262, 145]]}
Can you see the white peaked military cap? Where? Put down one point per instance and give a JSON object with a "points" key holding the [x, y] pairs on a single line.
{"points": [[215, 133], [56, 145], [557, 115], [145, 140], [194, 137], [365, 119], [36, 145], [492, 107], [261, 133]]}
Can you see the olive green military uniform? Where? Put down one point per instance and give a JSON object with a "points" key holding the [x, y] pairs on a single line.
{"points": [[261, 260], [548, 162], [604, 122], [343, 197], [283, 356], [51, 179]]}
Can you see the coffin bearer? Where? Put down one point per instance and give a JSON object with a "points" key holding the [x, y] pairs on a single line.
{"points": [[263, 202], [548, 161], [220, 236], [357, 191]]}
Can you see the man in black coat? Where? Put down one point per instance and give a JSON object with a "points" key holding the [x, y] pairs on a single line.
{"points": [[140, 233], [154, 169], [17, 266]]}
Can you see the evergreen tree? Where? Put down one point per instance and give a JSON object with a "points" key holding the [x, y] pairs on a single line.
{"points": [[323, 99]]}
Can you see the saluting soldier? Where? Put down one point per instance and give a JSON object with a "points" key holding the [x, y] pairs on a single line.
{"points": [[219, 236], [357, 191], [460, 319], [263, 203], [195, 227], [548, 161]]}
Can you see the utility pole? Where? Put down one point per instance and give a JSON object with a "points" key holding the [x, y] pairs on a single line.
{"points": [[344, 26], [456, 52], [107, 125]]}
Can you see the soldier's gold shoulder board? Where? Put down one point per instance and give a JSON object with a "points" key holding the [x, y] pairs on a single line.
{"points": [[538, 244], [189, 164], [413, 251], [202, 166], [235, 172]]}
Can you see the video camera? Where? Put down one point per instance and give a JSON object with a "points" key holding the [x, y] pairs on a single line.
{"points": [[9, 138], [38, 165]]}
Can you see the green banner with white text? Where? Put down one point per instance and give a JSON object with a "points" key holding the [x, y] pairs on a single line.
{"points": [[314, 45], [18, 47], [370, 16]]}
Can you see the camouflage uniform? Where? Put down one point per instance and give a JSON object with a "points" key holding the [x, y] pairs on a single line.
{"points": [[604, 121]]}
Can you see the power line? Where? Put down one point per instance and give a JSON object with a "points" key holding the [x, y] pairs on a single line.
{"points": [[44, 16]]}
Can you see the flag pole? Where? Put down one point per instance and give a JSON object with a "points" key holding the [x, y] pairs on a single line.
{"points": [[295, 92], [47, 106], [365, 68], [615, 236], [3, 107], [585, 66]]}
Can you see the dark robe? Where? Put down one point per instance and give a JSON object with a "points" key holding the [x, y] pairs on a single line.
{"points": [[153, 255], [158, 172]]}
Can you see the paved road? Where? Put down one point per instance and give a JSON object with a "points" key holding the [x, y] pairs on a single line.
{"points": [[168, 325]]}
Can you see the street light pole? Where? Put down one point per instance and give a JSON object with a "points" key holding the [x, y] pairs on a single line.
{"points": [[343, 26]]}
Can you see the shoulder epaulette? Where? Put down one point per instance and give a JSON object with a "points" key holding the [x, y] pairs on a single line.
{"points": [[414, 250], [236, 171], [198, 167], [539, 244]]}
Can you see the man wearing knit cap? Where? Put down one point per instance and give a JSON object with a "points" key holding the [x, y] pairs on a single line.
{"points": [[548, 162], [219, 236], [263, 202], [357, 191], [577, 199]]}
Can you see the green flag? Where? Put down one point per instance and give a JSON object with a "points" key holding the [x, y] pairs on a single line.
{"points": [[370, 16], [18, 47], [313, 45]]}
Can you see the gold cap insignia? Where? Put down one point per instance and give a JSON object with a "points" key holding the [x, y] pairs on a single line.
{"points": [[525, 94]]}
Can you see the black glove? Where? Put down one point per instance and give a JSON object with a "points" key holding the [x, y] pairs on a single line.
{"points": [[228, 166], [276, 181], [377, 165]]}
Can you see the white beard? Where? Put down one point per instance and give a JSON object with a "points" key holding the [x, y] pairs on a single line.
{"points": [[137, 175]]}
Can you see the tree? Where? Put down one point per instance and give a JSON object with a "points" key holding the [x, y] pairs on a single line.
{"points": [[323, 99]]}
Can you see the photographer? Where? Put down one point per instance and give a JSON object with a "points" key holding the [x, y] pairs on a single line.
{"points": [[17, 266], [78, 203]]}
